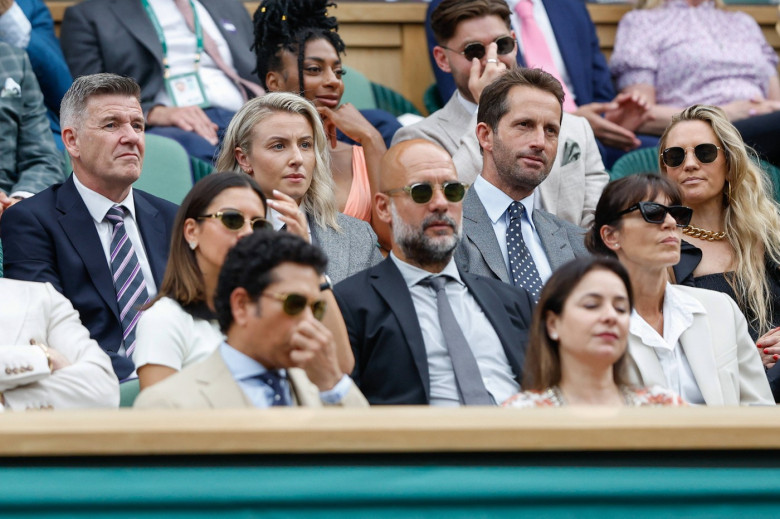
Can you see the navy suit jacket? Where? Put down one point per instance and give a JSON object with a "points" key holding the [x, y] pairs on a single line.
{"points": [[577, 41], [51, 237], [391, 365]]}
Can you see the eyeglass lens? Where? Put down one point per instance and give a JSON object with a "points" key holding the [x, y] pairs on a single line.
{"points": [[656, 213], [423, 192], [234, 220], [705, 153], [294, 304], [504, 45]]}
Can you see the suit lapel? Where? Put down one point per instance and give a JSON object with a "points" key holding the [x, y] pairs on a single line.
{"points": [[646, 362], [79, 227], [453, 118], [390, 285], [553, 238], [696, 342], [479, 229], [152, 229], [513, 340], [217, 385], [132, 15]]}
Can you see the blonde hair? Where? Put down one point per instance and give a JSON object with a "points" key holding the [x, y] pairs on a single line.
{"points": [[319, 202], [752, 216], [652, 4]]}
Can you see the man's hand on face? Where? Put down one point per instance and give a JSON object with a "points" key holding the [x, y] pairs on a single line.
{"points": [[314, 351], [478, 78]]}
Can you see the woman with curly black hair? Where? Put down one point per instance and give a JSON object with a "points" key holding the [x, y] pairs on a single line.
{"points": [[298, 50]]}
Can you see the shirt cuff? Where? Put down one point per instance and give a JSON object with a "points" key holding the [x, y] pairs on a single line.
{"points": [[15, 28], [338, 392], [21, 194]]}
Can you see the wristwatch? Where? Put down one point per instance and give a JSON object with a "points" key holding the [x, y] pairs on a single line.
{"points": [[327, 284]]}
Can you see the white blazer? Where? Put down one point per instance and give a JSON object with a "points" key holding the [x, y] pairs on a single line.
{"points": [[723, 357]]}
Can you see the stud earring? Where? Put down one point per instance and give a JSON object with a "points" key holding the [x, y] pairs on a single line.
{"points": [[554, 336], [193, 245]]}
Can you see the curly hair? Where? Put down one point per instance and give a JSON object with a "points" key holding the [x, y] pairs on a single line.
{"points": [[288, 25], [751, 215]]}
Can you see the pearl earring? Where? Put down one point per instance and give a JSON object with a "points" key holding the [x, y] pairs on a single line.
{"points": [[554, 336], [193, 245]]}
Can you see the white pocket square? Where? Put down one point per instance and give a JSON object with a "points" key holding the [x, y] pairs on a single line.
{"points": [[11, 89]]}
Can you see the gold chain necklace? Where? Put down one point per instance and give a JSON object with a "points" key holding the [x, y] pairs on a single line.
{"points": [[703, 234]]}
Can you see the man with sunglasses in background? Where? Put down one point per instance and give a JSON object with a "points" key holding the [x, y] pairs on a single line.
{"points": [[276, 351], [98, 241], [477, 45], [507, 236], [422, 330]]}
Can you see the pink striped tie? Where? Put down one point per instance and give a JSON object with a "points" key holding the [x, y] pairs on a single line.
{"points": [[535, 49], [129, 282]]}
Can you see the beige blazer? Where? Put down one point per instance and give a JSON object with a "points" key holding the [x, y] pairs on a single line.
{"points": [[576, 180], [724, 359], [36, 311], [210, 385]]}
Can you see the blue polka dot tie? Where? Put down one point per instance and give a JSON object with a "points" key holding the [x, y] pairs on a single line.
{"points": [[278, 383], [521, 265]]}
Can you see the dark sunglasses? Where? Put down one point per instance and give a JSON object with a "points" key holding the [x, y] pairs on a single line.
{"points": [[504, 45], [235, 220], [653, 212], [293, 304], [422, 192], [705, 153]]}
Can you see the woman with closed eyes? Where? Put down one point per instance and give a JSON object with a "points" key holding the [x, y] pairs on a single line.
{"points": [[732, 244], [577, 351], [692, 341]]}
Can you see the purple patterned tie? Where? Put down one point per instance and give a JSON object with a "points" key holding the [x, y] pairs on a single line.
{"points": [[129, 282]]}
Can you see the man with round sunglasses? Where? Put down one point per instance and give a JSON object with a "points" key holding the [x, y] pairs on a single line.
{"points": [[276, 351], [423, 331], [477, 46]]}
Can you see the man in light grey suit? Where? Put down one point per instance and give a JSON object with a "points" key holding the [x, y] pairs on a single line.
{"points": [[506, 235], [578, 175]]}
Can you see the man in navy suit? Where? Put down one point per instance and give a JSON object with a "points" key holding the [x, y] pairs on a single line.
{"points": [[574, 46], [65, 235], [410, 346]]}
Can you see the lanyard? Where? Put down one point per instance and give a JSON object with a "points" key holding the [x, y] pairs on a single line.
{"points": [[158, 28]]}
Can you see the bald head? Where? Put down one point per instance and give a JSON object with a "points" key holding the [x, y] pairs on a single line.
{"points": [[407, 157]]}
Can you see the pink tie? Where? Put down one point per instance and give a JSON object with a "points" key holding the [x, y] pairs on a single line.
{"points": [[536, 51]]}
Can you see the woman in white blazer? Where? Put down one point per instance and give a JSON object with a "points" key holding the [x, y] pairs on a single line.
{"points": [[692, 341]]}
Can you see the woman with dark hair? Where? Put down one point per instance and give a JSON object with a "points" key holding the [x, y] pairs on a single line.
{"points": [[298, 50], [577, 351], [692, 341], [178, 327]]}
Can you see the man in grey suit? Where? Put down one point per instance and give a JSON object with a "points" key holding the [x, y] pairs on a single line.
{"points": [[473, 27], [506, 235]]}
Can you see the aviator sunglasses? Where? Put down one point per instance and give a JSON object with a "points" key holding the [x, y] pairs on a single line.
{"points": [[422, 192], [504, 45], [653, 212], [293, 304], [235, 220], [705, 153]]}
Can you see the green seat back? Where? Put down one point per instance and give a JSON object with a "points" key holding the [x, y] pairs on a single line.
{"points": [[774, 175], [391, 101], [357, 90], [432, 99], [128, 391], [643, 160], [200, 168]]}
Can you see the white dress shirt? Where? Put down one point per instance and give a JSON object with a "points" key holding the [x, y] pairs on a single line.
{"points": [[678, 311], [491, 359], [496, 204], [220, 90], [15, 28]]}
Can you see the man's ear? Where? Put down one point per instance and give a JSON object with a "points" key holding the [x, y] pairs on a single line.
{"points": [[240, 306], [485, 136], [69, 140], [440, 56], [382, 204]]}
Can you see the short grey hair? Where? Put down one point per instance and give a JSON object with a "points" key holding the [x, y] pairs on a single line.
{"points": [[74, 103]]}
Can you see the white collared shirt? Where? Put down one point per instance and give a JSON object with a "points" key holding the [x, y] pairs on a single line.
{"points": [[543, 21], [496, 204], [273, 217], [220, 89], [15, 28], [98, 207], [482, 338], [678, 311]]}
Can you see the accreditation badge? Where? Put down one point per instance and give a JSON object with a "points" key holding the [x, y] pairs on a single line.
{"points": [[186, 90]]}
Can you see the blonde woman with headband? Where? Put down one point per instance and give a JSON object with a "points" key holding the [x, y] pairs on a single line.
{"points": [[279, 140], [732, 243]]}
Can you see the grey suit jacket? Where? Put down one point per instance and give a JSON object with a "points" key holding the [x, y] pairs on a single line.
{"points": [[479, 253], [349, 251], [576, 180], [723, 358], [117, 36], [210, 385]]}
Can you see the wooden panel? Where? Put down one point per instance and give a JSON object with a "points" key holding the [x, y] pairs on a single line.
{"points": [[371, 35]]}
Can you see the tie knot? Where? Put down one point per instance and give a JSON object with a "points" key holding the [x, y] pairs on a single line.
{"points": [[115, 215], [437, 282], [525, 9], [516, 210]]}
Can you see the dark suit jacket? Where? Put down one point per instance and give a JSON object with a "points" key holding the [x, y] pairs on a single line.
{"points": [[391, 365], [118, 36], [51, 237], [577, 41]]}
